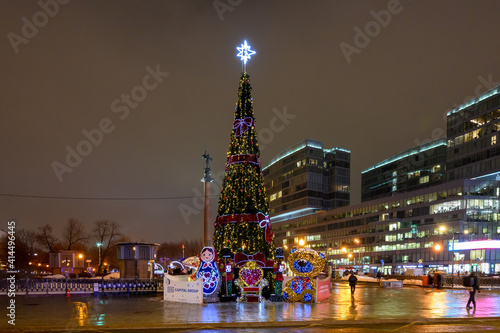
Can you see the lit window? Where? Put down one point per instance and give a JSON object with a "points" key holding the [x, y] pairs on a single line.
{"points": [[436, 168], [424, 180], [273, 197], [493, 140], [280, 194], [394, 173]]}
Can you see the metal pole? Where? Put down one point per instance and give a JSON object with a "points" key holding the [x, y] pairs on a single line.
{"points": [[453, 260], [206, 214], [207, 179]]}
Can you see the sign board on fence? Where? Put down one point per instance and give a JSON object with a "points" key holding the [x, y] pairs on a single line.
{"points": [[185, 291], [322, 289]]}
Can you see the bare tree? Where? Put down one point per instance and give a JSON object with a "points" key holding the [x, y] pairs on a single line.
{"points": [[173, 250], [74, 233], [29, 239], [106, 233], [45, 238], [26, 250]]}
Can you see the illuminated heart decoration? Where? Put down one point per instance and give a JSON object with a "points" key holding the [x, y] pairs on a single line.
{"points": [[251, 274]]}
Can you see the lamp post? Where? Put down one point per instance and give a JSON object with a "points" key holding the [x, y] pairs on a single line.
{"points": [[452, 253], [99, 262], [357, 241]]}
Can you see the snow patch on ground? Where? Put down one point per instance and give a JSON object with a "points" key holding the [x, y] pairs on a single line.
{"points": [[411, 282]]}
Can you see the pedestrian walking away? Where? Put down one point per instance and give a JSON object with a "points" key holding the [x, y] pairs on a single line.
{"points": [[439, 281], [430, 282], [472, 288], [352, 282], [379, 275]]}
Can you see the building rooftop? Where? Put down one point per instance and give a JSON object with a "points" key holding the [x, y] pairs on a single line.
{"points": [[305, 143], [488, 93], [409, 152]]}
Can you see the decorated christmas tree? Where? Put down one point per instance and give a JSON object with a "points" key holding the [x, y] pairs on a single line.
{"points": [[242, 222]]}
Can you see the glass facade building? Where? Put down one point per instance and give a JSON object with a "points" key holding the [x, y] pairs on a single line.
{"points": [[473, 137], [414, 168], [307, 178], [433, 207], [401, 232]]}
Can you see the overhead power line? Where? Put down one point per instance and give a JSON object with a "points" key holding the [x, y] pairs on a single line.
{"points": [[99, 198]]}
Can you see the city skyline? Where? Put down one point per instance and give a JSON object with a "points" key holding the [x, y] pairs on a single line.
{"points": [[151, 86]]}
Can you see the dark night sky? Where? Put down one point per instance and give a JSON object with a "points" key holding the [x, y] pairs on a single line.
{"points": [[390, 97]]}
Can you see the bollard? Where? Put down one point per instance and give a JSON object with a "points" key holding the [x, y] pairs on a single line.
{"points": [[96, 289]]}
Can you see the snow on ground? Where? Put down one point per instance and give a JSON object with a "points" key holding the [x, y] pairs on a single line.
{"points": [[413, 282], [115, 275]]}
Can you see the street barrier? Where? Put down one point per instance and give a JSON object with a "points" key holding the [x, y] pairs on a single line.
{"points": [[46, 286]]}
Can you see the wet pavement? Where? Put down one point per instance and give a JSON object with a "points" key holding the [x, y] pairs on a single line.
{"points": [[371, 304]]}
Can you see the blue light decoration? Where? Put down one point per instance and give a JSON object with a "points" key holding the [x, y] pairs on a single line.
{"points": [[245, 53], [303, 266], [209, 273]]}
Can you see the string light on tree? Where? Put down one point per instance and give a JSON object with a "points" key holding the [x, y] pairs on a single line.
{"points": [[243, 210]]}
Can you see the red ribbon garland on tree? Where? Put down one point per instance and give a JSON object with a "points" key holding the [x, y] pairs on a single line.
{"points": [[242, 125], [265, 224], [241, 158], [260, 218]]}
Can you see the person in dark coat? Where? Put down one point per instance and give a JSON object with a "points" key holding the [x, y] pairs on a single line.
{"points": [[352, 282], [439, 281], [473, 289]]}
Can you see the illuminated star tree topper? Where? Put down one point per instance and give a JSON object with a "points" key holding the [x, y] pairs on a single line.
{"points": [[245, 53]]}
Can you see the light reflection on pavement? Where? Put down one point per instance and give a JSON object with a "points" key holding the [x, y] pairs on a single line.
{"points": [[370, 302]]}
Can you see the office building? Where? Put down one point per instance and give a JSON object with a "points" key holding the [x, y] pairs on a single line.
{"points": [[432, 228], [473, 137], [307, 178], [418, 167]]}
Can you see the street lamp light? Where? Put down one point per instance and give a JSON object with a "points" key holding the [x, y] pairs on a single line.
{"points": [[301, 242], [357, 241], [99, 263], [442, 228]]}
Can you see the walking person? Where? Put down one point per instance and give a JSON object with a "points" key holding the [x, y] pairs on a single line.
{"points": [[430, 282], [439, 281], [474, 282], [352, 282]]}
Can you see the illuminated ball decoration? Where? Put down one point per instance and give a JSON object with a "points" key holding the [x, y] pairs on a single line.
{"points": [[306, 264]]}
